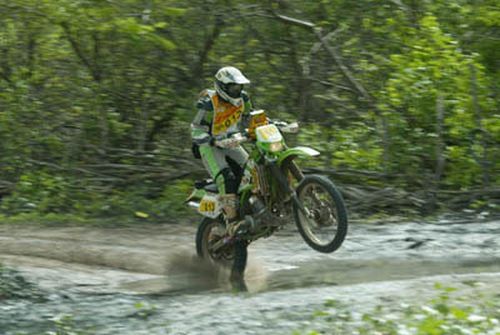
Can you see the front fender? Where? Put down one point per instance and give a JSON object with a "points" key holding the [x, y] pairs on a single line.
{"points": [[297, 151]]}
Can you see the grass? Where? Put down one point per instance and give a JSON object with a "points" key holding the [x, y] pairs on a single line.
{"points": [[65, 220]]}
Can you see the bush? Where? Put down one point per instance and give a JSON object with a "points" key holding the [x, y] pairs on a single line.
{"points": [[42, 196]]}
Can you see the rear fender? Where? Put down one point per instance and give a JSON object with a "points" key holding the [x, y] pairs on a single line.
{"points": [[196, 195], [210, 206]]}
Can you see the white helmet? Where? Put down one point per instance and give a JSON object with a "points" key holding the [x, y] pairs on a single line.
{"points": [[229, 83]]}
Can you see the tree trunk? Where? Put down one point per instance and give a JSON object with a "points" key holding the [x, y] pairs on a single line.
{"points": [[301, 82], [440, 160], [346, 72], [143, 125], [207, 47], [482, 160], [435, 181]]}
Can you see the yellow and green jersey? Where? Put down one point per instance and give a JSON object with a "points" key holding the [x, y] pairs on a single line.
{"points": [[217, 117]]}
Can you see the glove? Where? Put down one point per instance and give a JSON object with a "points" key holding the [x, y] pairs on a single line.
{"points": [[228, 143]]}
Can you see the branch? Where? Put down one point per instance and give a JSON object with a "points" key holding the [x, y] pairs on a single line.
{"points": [[294, 21], [61, 168], [401, 5], [315, 48], [5, 77], [6, 187], [331, 51], [207, 47], [78, 51], [4, 69], [330, 84], [351, 172]]}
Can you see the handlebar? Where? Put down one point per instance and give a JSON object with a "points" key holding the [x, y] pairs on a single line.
{"points": [[232, 140], [237, 138]]}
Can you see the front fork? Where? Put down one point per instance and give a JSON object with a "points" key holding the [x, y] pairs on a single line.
{"points": [[284, 183]]}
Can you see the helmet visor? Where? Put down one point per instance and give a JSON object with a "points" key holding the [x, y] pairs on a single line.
{"points": [[234, 90]]}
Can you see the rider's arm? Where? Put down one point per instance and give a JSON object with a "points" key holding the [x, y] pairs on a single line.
{"points": [[245, 118], [201, 125]]}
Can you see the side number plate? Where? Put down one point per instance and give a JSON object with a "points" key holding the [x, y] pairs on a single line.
{"points": [[207, 206]]}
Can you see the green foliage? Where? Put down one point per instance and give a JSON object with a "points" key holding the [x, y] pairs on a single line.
{"points": [[92, 93], [64, 324], [433, 67], [39, 192], [439, 316], [144, 310], [14, 286], [47, 198]]}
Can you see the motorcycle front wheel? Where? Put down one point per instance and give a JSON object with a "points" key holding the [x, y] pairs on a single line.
{"points": [[323, 226], [211, 246]]}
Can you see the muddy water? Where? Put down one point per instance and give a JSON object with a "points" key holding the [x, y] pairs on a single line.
{"points": [[146, 280]]}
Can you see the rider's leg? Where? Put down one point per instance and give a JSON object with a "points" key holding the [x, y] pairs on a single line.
{"points": [[215, 162], [229, 199], [232, 179], [238, 155]]}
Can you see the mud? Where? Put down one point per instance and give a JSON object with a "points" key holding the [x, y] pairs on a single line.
{"points": [[148, 280]]}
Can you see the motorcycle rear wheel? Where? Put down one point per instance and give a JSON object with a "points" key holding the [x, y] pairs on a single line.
{"points": [[325, 227], [233, 256]]}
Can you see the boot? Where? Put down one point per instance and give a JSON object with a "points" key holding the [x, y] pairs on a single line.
{"points": [[230, 206]]}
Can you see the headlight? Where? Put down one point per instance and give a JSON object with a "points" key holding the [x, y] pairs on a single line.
{"points": [[276, 146]]}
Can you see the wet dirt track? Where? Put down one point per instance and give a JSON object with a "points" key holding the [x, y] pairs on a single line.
{"points": [[99, 275]]}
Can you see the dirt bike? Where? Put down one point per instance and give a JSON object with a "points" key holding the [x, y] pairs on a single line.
{"points": [[273, 191]]}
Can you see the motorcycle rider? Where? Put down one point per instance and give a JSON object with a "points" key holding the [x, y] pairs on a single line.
{"points": [[222, 112]]}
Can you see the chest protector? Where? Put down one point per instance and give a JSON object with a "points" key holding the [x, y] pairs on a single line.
{"points": [[226, 115]]}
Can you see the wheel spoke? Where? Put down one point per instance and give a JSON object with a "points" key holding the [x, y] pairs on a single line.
{"points": [[214, 246], [321, 225]]}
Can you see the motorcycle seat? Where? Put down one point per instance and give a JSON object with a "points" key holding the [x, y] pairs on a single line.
{"points": [[212, 188], [207, 184]]}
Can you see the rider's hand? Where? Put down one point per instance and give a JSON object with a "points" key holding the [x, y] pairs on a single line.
{"points": [[228, 143]]}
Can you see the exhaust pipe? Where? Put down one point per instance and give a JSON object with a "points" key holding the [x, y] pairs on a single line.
{"points": [[194, 204]]}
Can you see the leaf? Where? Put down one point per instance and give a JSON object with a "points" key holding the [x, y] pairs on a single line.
{"points": [[160, 25], [442, 308], [458, 313], [163, 42], [141, 215], [331, 303], [319, 313], [174, 11]]}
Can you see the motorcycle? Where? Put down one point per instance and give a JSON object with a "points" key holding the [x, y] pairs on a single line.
{"points": [[273, 191]]}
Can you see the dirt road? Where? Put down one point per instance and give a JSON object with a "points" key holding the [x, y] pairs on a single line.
{"points": [[105, 277]]}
